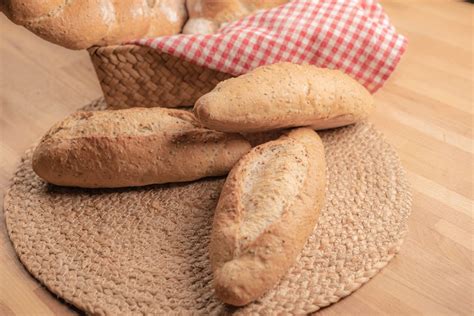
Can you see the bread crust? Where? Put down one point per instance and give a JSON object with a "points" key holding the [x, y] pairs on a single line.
{"points": [[250, 252], [134, 147], [206, 16], [80, 24], [284, 95]]}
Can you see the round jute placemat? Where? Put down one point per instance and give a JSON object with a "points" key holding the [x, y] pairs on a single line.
{"points": [[145, 250]]}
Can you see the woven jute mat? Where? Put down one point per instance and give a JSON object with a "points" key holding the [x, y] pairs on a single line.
{"points": [[145, 250]]}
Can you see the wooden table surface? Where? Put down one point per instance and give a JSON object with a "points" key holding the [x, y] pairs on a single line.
{"points": [[425, 110]]}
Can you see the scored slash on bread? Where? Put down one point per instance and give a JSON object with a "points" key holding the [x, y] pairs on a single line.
{"points": [[284, 95], [134, 147], [267, 209]]}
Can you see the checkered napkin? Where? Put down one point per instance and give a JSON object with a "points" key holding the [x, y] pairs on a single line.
{"points": [[354, 36]]}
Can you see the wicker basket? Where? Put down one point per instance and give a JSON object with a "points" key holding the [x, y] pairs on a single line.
{"points": [[133, 75]]}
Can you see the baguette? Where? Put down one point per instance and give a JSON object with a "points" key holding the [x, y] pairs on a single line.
{"points": [[83, 23], [267, 209], [206, 16], [134, 147], [284, 95]]}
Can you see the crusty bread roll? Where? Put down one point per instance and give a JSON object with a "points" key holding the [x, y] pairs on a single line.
{"points": [[206, 16], [267, 209], [284, 95], [134, 147], [83, 23]]}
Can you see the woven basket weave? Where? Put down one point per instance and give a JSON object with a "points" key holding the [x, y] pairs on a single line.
{"points": [[133, 75]]}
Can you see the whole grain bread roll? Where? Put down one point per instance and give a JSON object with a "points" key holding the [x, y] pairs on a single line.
{"points": [[284, 95], [81, 24], [206, 16], [267, 209], [134, 147]]}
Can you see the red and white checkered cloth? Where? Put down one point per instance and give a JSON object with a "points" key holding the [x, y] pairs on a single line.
{"points": [[354, 36]]}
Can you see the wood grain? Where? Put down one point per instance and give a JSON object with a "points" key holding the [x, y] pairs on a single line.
{"points": [[425, 110]]}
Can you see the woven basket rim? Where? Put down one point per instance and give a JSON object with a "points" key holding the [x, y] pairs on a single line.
{"points": [[122, 48]]}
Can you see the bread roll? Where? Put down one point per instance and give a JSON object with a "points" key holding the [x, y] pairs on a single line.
{"points": [[206, 16], [82, 24], [134, 147], [284, 95], [268, 208]]}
